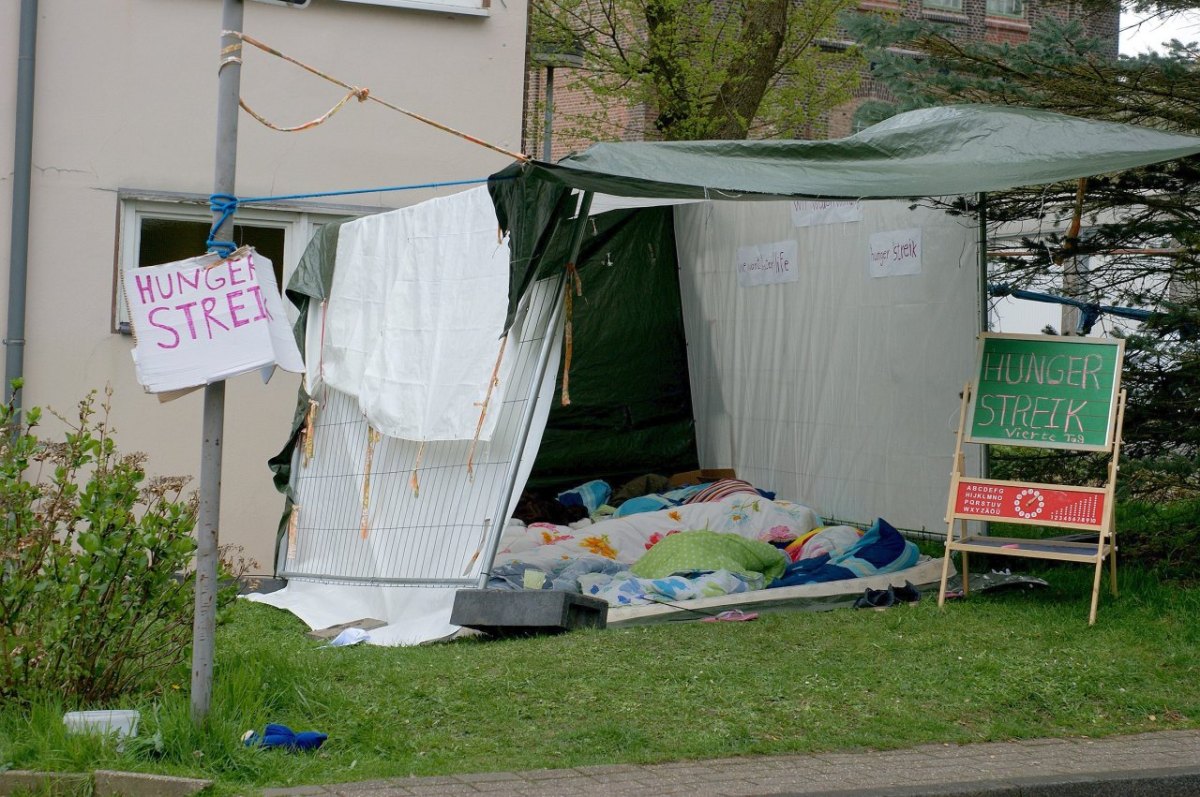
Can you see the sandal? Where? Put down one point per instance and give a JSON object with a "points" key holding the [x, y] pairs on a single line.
{"points": [[908, 593], [876, 599]]}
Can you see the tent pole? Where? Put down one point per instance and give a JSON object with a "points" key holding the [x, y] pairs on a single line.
{"points": [[985, 463], [531, 399], [983, 264], [535, 388]]}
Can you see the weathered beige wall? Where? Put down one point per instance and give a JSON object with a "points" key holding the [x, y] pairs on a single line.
{"points": [[125, 98]]}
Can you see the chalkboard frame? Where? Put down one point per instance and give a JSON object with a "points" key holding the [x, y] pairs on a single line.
{"points": [[1042, 342]]}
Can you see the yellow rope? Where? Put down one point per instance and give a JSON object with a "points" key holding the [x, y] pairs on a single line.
{"points": [[293, 526], [574, 287], [364, 95], [310, 430], [483, 407], [413, 481], [373, 437], [361, 94]]}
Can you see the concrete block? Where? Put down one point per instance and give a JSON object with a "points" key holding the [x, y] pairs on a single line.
{"points": [[109, 783], [514, 613], [57, 784]]}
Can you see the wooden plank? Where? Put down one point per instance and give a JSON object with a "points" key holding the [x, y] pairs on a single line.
{"points": [[1063, 550]]}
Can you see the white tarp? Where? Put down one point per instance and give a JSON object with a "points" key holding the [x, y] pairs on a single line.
{"points": [[415, 318], [205, 319], [841, 389]]}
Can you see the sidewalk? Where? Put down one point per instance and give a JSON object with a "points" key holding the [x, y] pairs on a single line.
{"points": [[1162, 764]]}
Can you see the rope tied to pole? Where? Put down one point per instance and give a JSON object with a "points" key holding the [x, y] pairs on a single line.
{"points": [[226, 205]]}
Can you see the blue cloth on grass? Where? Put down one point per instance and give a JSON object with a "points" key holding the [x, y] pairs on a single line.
{"points": [[276, 735]]}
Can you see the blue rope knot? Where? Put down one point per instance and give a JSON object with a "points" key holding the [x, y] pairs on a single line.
{"points": [[226, 205]]}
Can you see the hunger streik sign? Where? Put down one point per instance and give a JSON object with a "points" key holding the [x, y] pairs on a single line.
{"points": [[205, 319]]}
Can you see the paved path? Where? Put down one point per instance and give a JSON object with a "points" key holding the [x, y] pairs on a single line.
{"points": [[1164, 763]]}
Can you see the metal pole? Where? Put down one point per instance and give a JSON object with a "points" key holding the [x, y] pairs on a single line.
{"points": [[18, 269], [204, 627], [547, 149], [985, 453], [984, 321], [510, 478]]}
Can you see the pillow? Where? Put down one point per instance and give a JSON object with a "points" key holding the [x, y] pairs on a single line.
{"points": [[721, 489]]}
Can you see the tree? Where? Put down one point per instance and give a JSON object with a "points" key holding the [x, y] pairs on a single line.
{"points": [[1116, 218], [721, 69]]}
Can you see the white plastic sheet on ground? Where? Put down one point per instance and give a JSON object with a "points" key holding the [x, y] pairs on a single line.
{"points": [[839, 390], [415, 317]]}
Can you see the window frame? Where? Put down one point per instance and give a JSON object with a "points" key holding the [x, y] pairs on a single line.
{"points": [[299, 222], [479, 8], [992, 12]]}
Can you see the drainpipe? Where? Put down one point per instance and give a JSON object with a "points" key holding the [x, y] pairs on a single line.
{"points": [[18, 267]]}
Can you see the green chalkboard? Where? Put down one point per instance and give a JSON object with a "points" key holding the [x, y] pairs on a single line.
{"points": [[1045, 391]]}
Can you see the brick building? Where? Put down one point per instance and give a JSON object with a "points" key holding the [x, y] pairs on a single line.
{"points": [[995, 21]]}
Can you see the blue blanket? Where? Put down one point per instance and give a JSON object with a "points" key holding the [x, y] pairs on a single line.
{"points": [[881, 550]]}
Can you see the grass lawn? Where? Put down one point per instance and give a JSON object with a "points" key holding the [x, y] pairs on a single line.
{"points": [[998, 666]]}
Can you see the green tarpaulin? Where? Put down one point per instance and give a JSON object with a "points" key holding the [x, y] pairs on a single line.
{"points": [[951, 150]]}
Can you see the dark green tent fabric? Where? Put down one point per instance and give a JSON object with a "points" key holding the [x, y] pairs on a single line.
{"points": [[946, 151], [532, 212], [631, 405]]}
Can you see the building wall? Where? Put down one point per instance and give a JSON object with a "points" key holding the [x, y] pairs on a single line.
{"points": [[126, 99]]}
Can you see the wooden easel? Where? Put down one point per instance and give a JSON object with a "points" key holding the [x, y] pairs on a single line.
{"points": [[1080, 508]]}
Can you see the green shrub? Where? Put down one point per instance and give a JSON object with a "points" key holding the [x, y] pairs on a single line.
{"points": [[91, 602], [1164, 536]]}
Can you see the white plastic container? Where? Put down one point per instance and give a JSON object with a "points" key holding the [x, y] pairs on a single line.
{"points": [[119, 723]]}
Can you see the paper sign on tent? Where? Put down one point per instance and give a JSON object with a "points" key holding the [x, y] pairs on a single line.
{"points": [[814, 212], [767, 264], [895, 253], [205, 319]]}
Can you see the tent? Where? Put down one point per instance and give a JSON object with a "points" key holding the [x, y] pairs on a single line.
{"points": [[836, 386]]}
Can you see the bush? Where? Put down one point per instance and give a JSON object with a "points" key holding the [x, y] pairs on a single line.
{"points": [[91, 602], [1162, 536]]}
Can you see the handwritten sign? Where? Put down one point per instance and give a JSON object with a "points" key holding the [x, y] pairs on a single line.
{"points": [[1030, 503], [1045, 391], [895, 253], [205, 319], [811, 213], [764, 264]]}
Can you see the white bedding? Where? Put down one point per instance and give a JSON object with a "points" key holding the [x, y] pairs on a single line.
{"points": [[625, 539]]}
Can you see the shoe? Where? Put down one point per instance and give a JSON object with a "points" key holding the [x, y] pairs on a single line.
{"points": [[876, 599], [908, 593], [733, 616]]}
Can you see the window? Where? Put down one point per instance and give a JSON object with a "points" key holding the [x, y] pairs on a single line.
{"points": [[476, 7], [943, 5], [156, 229], [1006, 8]]}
